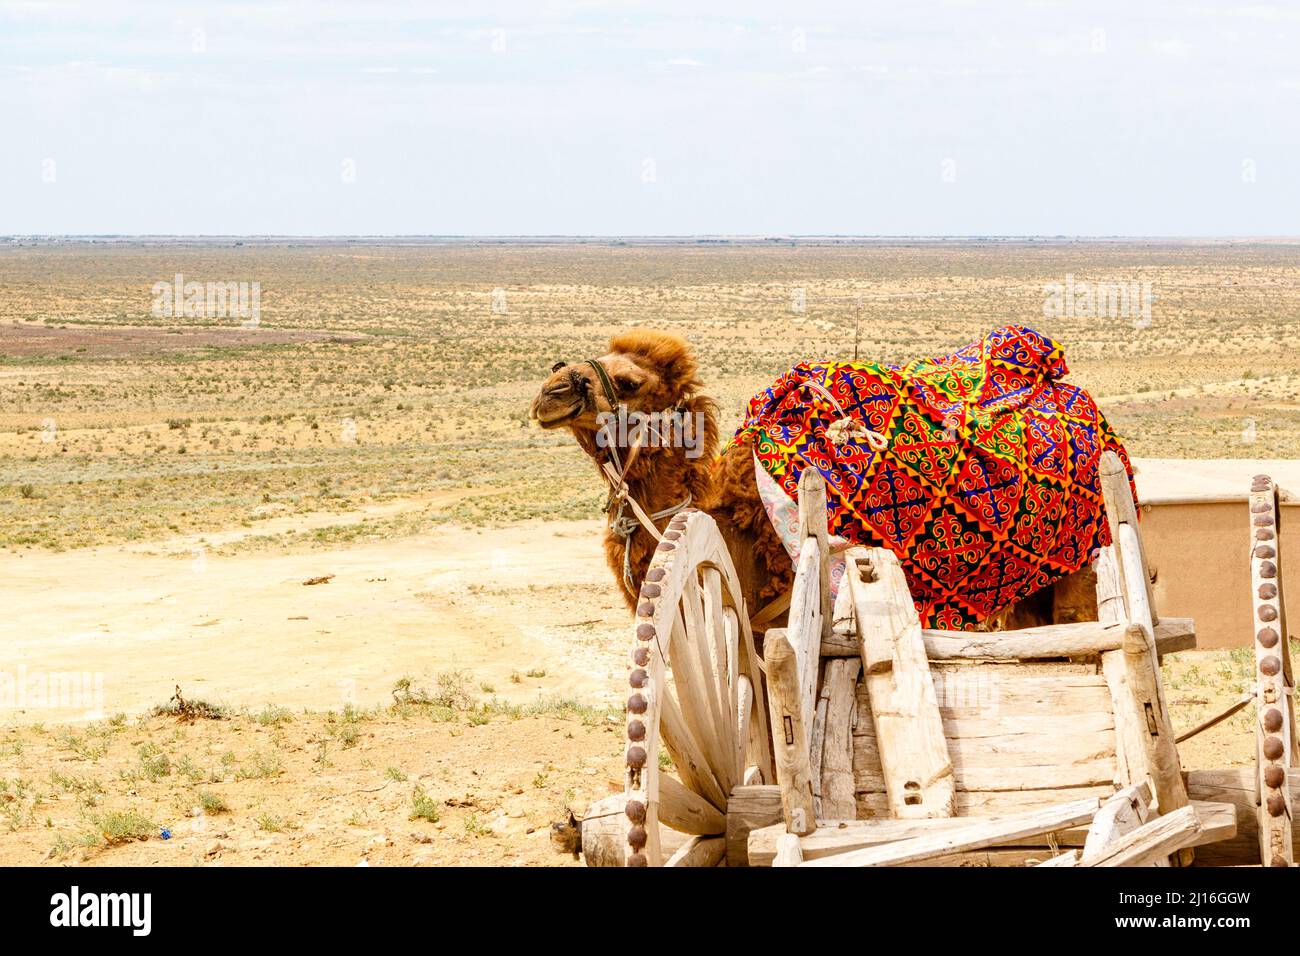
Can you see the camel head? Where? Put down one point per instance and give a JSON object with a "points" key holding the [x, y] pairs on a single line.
{"points": [[645, 371]]}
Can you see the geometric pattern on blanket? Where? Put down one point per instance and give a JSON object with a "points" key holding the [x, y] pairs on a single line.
{"points": [[988, 487]]}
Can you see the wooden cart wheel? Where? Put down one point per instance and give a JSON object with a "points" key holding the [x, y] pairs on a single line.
{"points": [[697, 690]]}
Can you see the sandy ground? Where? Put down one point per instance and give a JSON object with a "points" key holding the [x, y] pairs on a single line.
{"points": [[245, 631]]}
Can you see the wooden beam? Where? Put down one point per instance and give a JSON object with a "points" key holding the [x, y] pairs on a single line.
{"points": [[1153, 841], [977, 834], [793, 769], [1068, 858], [837, 786], [1173, 634], [751, 807], [687, 811], [905, 712], [699, 851], [1084, 639], [1121, 814]]}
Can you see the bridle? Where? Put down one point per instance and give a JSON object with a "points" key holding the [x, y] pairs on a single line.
{"points": [[614, 469]]}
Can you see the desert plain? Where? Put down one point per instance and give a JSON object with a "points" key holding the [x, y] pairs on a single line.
{"points": [[452, 682]]}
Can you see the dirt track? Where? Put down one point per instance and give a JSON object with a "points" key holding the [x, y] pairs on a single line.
{"points": [[244, 631]]}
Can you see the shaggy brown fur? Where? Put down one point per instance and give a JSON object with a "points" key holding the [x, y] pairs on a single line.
{"points": [[652, 371]]}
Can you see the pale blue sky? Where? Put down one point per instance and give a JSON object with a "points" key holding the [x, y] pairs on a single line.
{"points": [[877, 118]]}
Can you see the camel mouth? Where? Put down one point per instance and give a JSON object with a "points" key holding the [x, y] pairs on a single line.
{"points": [[563, 418]]}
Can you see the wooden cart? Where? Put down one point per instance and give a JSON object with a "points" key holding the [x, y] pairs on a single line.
{"points": [[861, 739]]}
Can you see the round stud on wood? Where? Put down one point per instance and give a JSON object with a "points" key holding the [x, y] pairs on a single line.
{"points": [[1267, 636], [1273, 748], [1267, 569], [1270, 666], [1279, 860], [1276, 805], [1267, 612], [1267, 592], [1274, 776], [1260, 507], [1264, 534], [1272, 720], [1264, 521], [1265, 551], [688, 697]]}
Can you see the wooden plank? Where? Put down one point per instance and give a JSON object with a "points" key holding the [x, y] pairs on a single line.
{"points": [[687, 755], [697, 684], [1011, 777], [872, 805], [904, 709], [839, 836], [1173, 634], [793, 769], [1121, 814], [687, 811], [718, 631], [1153, 841], [837, 786], [699, 851], [975, 836], [750, 807], [1275, 705]]}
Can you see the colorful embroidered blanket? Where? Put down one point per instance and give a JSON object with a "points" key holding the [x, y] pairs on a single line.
{"points": [[988, 487]]}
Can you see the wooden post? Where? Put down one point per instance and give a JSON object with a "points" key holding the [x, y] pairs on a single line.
{"points": [[1121, 509], [909, 731], [812, 524], [1144, 732], [1274, 699], [793, 769]]}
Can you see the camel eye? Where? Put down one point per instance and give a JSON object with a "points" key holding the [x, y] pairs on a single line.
{"points": [[626, 386]]}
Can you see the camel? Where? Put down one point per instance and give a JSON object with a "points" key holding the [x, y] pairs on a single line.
{"points": [[656, 373]]}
